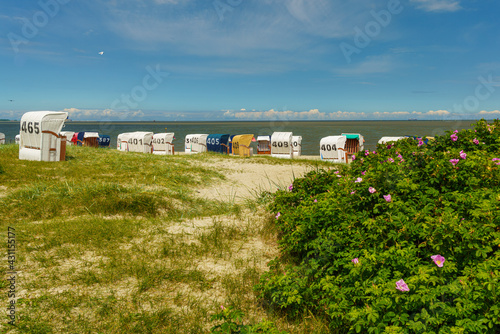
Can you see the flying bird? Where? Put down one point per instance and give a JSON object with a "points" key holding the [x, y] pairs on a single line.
{"points": [[101, 53]]}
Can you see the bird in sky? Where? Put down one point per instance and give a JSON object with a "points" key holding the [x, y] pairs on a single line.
{"points": [[101, 53]]}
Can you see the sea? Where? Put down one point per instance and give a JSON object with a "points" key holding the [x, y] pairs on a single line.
{"points": [[311, 131]]}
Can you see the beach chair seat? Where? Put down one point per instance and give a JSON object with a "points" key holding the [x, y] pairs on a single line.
{"points": [[241, 145], [332, 148], [39, 136], [281, 145], [352, 146]]}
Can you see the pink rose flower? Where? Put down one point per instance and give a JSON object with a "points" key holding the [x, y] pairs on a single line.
{"points": [[454, 161], [402, 286], [454, 137], [463, 155], [372, 190], [438, 260], [387, 198], [355, 260]]}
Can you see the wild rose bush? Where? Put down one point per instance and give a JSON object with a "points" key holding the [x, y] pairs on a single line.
{"points": [[403, 240]]}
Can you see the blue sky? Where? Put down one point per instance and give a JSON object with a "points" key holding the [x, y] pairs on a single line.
{"points": [[251, 59]]}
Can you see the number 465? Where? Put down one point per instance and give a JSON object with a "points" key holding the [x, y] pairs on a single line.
{"points": [[30, 127]]}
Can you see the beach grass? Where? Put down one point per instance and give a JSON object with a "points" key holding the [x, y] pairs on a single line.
{"points": [[115, 242]]}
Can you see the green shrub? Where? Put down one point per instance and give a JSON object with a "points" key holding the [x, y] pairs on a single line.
{"points": [[348, 235]]}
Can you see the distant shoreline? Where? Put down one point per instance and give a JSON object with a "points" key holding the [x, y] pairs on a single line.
{"points": [[254, 121]]}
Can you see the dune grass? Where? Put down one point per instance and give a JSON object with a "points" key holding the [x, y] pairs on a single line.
{"points": [[114, 242]]}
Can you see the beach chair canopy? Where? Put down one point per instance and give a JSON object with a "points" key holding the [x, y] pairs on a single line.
{"points": [[139, 141], [2, 138], [264, 138], [122, 141], [104, 140], [385, 140], [18, 138], [332, 148], [241, 145], [354, 142], [281, 144], [263, 144], [163, 143], [218, 143], [69, 135], [74, 139], [39, 135], [195, 143], [79, 138], [230, 144], [88, 138], [297, 146], [352, 136]]}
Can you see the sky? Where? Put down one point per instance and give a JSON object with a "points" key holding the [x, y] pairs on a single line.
{"points": [[218, 60]]}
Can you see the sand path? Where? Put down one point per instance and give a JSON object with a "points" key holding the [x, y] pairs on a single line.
{"points": [[247, 178]]}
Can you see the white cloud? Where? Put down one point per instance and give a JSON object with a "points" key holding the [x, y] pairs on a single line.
{"points": [[98, 114], [493, 112], [392, 113], [347, 115], [437, 112], [315, 114], [438, 5], [312, 114]]}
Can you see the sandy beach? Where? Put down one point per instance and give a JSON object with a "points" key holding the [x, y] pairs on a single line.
{"points": [[246, 178]]}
